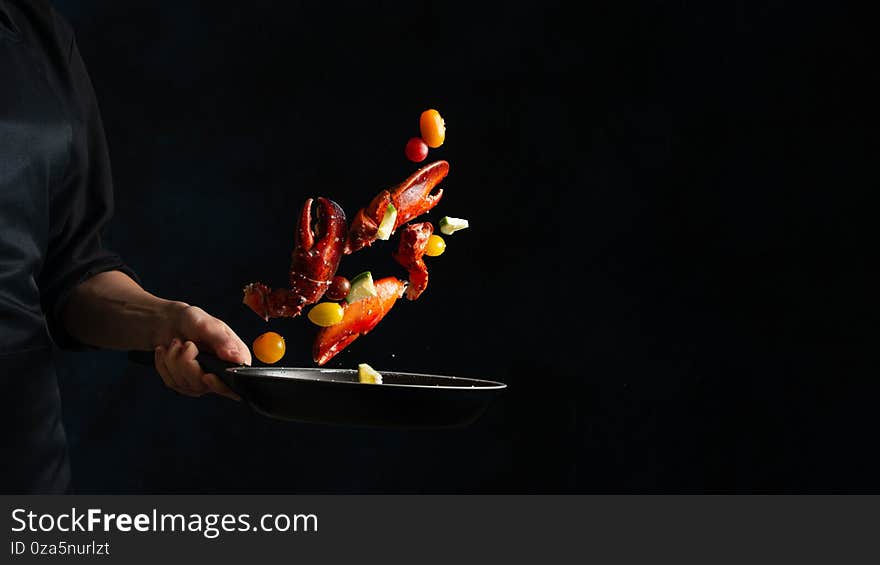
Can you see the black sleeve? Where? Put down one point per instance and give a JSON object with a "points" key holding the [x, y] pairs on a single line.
{"points": [[80, 207]]}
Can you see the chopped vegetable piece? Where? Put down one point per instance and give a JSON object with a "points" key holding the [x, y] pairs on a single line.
{"points": [[361, 287], [326, 314], [436, 246], [416, 149], [433, 128], [449, 225], [338, 288], [269, 347], [387, 224], [369, 375]]}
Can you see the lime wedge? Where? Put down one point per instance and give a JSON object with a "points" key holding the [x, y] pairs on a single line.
{"points": [[450, 225], [361, 287], [387, 224], [369, 375]]}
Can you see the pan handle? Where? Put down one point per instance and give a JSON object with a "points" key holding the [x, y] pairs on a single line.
{"points": [[210, 364]]}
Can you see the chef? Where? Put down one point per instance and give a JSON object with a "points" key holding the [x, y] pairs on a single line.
{"points": [[59, 285]]}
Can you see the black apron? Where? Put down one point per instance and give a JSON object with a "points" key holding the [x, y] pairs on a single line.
{"points": [[35, 135]]}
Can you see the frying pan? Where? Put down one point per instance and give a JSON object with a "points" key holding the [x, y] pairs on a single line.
{"points": [[335, 396]]}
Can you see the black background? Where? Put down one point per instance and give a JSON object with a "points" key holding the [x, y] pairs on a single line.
{"points": [[668, 261]]}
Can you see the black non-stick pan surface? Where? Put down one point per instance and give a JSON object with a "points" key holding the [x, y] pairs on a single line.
{"points": [[335, 396]]}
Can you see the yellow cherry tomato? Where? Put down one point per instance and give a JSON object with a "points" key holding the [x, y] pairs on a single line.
{"points": [[435, 246], [326, 314], [269, 347], [433, 128]]}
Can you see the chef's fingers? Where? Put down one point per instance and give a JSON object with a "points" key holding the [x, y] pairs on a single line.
{"points": [[186, 369], [159, 358], [207, 382], [226, 345], [196, 378], [241, 353], [181, 372], [214, 335], [218, 387], [168, 357]]}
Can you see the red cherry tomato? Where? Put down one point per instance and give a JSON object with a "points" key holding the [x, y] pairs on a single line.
{"points": [[338, 288], [416, 149]]}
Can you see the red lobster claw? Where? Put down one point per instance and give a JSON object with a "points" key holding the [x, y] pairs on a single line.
{"points": [[410, 253], [358, 318], [413, 197], [318, 249], [365, 224]]}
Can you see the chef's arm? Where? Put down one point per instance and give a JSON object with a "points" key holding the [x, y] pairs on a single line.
{"points": [[110, 310]]}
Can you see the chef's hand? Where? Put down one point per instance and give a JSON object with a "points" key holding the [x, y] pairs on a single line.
{"points": [[192, 328]]}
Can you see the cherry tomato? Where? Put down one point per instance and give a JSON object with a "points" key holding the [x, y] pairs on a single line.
{"points": [[338, 288], [433, 128], [326, 314], [435, 246], [269, 347], [416, 149]]}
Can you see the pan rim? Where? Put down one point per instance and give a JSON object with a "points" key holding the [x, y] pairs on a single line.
{"points": [[254, 372]]}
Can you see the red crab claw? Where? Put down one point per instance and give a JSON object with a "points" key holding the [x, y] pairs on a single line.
{"points": [[365, 224], [318, 249], [358, 318], [413, 197], [269, 303], [410, 253]]}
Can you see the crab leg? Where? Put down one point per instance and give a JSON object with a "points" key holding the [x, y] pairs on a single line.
{"points": [[410, 253]]}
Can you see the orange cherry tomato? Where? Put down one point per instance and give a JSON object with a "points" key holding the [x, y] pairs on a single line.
{"points": [[435, 246], [433, 128], [269, 348]]}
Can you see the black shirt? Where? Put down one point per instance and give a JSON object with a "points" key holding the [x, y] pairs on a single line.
{"points": [[55, 200]]}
